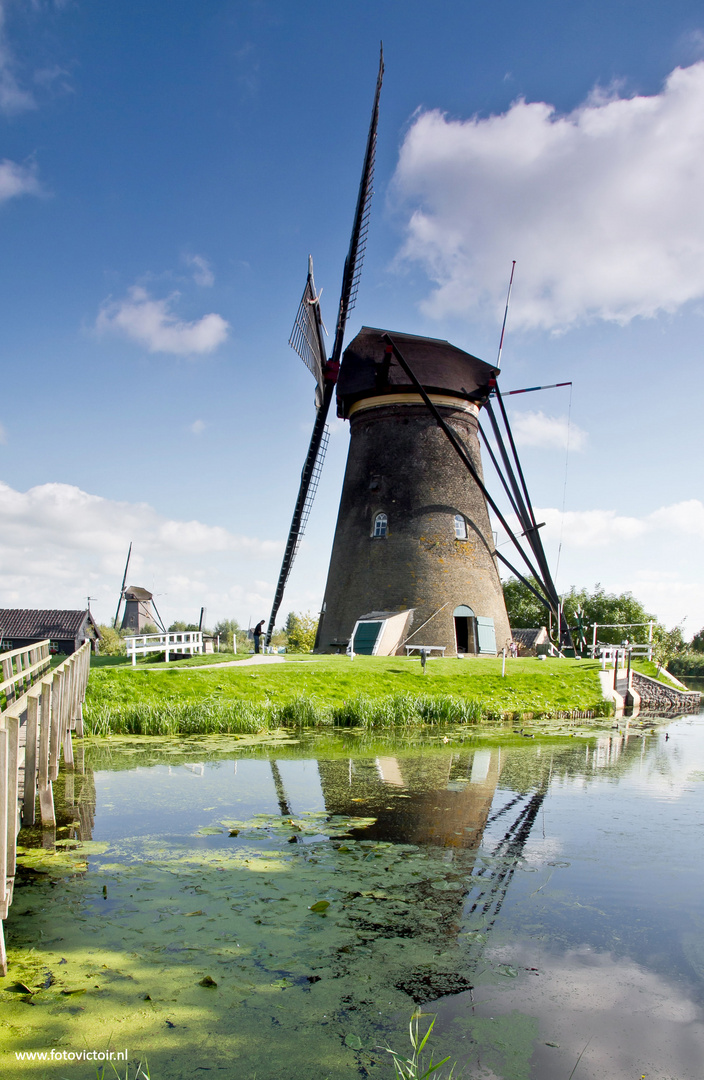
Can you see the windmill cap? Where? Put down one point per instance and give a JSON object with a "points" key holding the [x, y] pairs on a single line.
{"points": [[133, 592], [368, 369]]}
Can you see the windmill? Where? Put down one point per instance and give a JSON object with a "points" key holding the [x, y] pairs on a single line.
{"points": [[413, 550], [140, 606], [307, 339]]}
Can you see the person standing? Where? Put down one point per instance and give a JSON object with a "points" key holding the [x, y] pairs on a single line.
{"points": [[257, 634]]}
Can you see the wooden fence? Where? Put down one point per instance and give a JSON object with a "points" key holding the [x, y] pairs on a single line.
{"points": [[41, 708]]}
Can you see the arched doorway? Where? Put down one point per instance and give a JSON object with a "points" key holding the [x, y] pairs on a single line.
{"points": [[465, 630]]}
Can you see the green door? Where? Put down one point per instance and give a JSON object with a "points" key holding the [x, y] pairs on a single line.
{"points": [[365, 637], [486, 635]]}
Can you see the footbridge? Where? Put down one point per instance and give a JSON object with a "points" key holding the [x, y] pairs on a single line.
{"points": [[39, 708]]}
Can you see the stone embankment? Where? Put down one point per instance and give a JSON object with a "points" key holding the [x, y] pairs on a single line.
{"points": [[659, 697]]}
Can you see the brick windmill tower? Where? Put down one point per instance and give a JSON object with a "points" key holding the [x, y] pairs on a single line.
{"points": [[413, 554]]}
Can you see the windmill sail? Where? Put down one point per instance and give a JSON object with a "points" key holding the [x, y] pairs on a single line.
{"points": [[307, 340], [122, 587], [360, 228]]}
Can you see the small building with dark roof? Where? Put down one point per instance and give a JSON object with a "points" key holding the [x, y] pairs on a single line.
{"points": [[528, 641], [67, 630]]}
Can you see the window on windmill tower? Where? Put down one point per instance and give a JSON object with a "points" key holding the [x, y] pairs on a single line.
{"points": [[460, 527], [381, 525]]}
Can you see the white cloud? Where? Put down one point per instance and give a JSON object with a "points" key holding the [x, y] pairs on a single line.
{"points": [[202, 272], [13, 99], [58, 543], [535, 429], [590, 528], [197, 427], [153, 324], [17, 180], [686, 517], [601, 208], [53, 77]]}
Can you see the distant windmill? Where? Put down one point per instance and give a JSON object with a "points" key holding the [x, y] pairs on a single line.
{"points": [[308, 341], [140, 607]]}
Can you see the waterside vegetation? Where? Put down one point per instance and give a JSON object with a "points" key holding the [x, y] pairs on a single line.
{"points": [[369, 692]]}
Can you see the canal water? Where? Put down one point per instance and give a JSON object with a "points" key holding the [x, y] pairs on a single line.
{"points": [[279, 910]]}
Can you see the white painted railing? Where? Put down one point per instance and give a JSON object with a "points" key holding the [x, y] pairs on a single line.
{"points": [[608, 654], [637, 649], [21, 668], [188, 641]]}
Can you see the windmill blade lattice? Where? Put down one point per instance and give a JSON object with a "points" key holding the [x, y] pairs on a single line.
{"points": [[307, 340], [360, 229]]}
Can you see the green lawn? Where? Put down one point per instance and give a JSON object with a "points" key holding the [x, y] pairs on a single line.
{"points": [[544, 687]]}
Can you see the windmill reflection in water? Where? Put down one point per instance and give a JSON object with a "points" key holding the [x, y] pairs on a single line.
{"points": [[479, 806]]}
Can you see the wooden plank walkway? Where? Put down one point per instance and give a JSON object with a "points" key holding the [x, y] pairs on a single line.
{"points": [[41, 710]]}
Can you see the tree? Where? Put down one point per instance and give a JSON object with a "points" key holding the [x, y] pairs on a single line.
{"points": [[111, 642], [526, 611], [697, 642], [602, 607], [300, 632], [228, 629], [667, 644]]}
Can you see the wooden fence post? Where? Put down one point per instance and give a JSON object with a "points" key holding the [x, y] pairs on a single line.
{"points": [[57, 701], [13, 750], [46, 795], [82, 684], [30, 761], [7, 673], [3, 846], [25, 681], [3, 822], [68, 712]]}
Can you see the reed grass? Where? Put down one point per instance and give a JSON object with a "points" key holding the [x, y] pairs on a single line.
{"points": [[210, 716], [415, 1067], [176, 718]]}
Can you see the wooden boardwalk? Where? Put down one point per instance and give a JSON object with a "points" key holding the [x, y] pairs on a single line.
{"points": [[39, 709]]}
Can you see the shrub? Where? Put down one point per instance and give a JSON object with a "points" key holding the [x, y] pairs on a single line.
{"points": [[300, 632], [111, 642]]}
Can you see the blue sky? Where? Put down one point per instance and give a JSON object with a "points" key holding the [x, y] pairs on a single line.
{"points": [[166, 169]]}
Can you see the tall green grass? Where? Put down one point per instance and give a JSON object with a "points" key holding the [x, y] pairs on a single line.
{"points": [[176, 718], [217, 717]]}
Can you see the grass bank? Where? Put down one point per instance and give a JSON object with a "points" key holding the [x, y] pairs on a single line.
{"points": [[372, 692]]}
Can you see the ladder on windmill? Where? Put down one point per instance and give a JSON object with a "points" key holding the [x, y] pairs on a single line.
{"points": [[294, 541]]}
